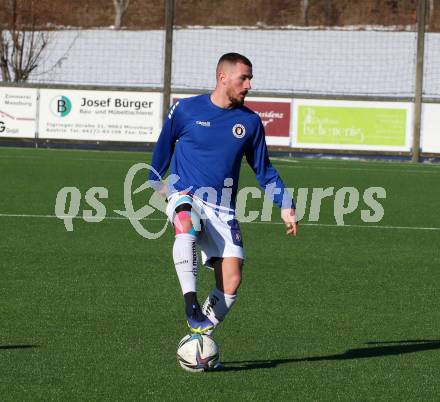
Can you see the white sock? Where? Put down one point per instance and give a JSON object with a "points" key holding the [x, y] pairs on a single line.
{"points": [[185, 261], [217, 305]]}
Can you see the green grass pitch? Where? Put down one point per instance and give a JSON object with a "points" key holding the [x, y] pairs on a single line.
{"points": [[340, 313]]}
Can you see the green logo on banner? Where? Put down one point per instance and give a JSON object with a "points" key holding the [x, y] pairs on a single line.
{"points": [[61, 106], [351, 125]]}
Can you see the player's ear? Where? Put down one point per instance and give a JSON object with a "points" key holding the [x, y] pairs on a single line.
{"points": [[221, 76]]}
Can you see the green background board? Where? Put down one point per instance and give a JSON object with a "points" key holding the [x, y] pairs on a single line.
{"points": [[351, 125]]}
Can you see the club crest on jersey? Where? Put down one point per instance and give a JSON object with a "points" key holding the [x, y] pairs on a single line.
{"points": [[238, 130]]}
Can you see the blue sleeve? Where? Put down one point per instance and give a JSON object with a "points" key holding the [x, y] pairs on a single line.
{"points": [[163, 151], [258, 158]]}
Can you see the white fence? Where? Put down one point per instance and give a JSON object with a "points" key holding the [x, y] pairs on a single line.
{"points": [[327, 62]]}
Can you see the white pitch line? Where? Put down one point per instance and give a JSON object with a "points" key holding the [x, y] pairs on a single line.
{"points": [[74, 159], [394, 169], [284, 160], [275, 159], [371, 226], [308, 165], [61, 217], [348, 226], [121, 218]]}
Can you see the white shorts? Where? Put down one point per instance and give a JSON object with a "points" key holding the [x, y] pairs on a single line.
{"points": [[220, 235]]}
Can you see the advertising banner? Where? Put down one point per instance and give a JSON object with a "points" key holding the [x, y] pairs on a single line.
{"points": [[352, 125], [430, 136], [100, 115], [18, 112], [274, 113]]}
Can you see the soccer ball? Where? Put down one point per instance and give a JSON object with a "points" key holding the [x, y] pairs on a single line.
{"points": [[197, 352]]}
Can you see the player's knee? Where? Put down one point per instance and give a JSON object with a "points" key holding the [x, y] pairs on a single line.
{"points": [[187, 221]]}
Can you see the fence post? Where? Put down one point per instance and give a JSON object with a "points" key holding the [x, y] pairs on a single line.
{"points": [[421, 21], [168, 57], [37, 120]]}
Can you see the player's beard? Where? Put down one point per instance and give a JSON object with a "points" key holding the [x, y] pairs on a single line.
{"points": [[236, 100]]}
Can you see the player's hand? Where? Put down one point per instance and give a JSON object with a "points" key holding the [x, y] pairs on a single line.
{"points": [[288, 215], [162, 191]]}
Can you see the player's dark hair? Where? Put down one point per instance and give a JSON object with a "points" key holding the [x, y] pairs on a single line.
{"points": [[235, 58]]}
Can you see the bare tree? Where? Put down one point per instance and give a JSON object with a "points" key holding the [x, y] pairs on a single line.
{"points": [[120, 10], [305, 11], [430, 11], [21, 45], [329, 13]]}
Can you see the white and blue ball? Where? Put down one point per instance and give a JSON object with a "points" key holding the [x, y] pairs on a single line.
{"points": [[197, 352]]}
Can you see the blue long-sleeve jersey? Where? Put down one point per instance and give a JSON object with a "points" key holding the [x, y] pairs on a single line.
{"points": [[205, 145]]}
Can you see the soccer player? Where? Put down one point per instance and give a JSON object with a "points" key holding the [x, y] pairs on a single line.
{"points": [[205, 138]]}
